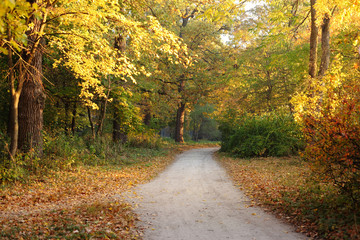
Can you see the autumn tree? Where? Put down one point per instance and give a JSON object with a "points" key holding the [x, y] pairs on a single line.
{"points": [[27, 99], [85, 49], [267, 60], [200, 25], [327, 107]]}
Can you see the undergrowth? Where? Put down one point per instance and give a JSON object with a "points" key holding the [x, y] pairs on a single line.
{"points": [[76, 191], [261, 136], [288, 187], [63, 152]]}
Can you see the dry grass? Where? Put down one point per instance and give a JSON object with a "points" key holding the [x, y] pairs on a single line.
{"points": [[82, 203], [287, 187]]}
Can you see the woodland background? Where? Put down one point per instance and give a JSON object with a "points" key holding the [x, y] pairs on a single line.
{"points": [[88, 83]]}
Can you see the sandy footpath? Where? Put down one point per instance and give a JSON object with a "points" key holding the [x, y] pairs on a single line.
{"points": [[195, 199]]}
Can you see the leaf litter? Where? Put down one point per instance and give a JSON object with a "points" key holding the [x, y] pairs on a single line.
{"points": [[85, 203]]}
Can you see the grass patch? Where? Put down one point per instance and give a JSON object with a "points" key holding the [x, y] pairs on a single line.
{"points": [[287, 187]]}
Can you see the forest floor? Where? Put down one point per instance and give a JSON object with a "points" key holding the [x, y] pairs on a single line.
{"points": [[195, 199], [82, 203], [88, 202], [288, 188]]}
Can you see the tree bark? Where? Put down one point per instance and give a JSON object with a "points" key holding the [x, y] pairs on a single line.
{"points": [[101, 119], [28, 98], [313, 42], [116, 128], [32, 98], [13, 124], [180, 120], [73, 121], [91, 122], [102, 115], [325, 46], [180, 114], [118, 134], [67, 121], [31, 106]]}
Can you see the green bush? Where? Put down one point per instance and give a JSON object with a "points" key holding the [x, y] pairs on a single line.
{"points": [[262, 136], [63, 152]]}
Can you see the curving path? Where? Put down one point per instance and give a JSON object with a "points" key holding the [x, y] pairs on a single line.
{"points": [[194, 199]]}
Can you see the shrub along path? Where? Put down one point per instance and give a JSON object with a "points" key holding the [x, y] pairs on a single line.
{"points": [[287, 187]]}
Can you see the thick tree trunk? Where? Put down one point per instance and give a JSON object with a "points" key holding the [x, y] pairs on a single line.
{"points": [[32, 98], [180, 114], [31, 106], [28, 99], [325, 46], [180, 120], [313, 42]]}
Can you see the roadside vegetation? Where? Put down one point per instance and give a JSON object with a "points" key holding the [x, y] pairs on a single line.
{"points": [[288, 187], [305, 171], [77, 191], [261, 136]]}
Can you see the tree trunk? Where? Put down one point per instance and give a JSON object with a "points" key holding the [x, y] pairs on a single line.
{"points": [[180, 120], [196, 129], [31, 106], [28, 99], [116, 128], [147, 114], [91, 122], [118, 134], [102, 115], [180, 115], [67, 121], [73, 121], [313, 42], [325, 46], [14, 124], [32, 98], [101, 118]]}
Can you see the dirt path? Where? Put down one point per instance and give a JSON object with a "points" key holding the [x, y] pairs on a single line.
{"points": [[195, 199]]}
